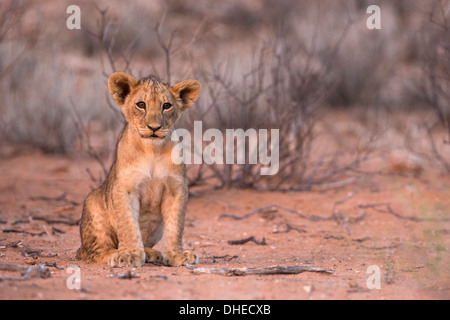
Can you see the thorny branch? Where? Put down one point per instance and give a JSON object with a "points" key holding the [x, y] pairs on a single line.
{"points": [[335, 215], [167, 43], [85, 138], [386, 208]]}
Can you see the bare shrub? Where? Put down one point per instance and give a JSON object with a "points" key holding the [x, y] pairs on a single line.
{"points": [[285, 87], [22, 118], [435, 86], [37, 109], [38, 87], [11, 32], [284, 83]]}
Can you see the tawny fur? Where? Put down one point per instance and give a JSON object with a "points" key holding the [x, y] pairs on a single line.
{"points": [[144, 196]]}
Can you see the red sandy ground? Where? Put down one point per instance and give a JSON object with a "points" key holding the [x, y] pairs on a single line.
{"points": [[413, 256]]}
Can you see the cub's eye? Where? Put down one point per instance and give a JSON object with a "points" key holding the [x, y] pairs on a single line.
{"points": [[140, 105], [167, 106]]}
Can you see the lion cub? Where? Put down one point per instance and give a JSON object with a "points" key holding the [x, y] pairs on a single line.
{"points": [[144, 197]]}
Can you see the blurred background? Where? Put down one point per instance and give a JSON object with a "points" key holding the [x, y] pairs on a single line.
{"points": [[346, 99]]}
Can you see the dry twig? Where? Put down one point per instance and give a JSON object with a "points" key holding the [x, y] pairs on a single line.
{"points": [[362, 240], [53, 265], [24, 232], [269, 208], [57, 221], [38, 254], [62, 197], [14, 244], [40, 271], [45, 198], [244, 241], [21, 221], [127, 275], [56, 230], [334, 237], [288, 228], [271, 270], [386, 208], [226, 257]]}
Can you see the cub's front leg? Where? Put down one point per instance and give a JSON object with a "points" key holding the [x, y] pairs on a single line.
{"points": [[126, 214], [173, 208]]}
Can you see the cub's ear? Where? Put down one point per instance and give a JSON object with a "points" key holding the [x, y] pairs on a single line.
{"points": [[188, 91], [120, 85]]}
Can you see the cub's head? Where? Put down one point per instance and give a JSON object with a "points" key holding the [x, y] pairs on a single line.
{"points": [[151, 105]]}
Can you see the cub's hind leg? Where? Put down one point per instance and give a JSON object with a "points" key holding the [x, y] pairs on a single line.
{"points": [[98, 240]]}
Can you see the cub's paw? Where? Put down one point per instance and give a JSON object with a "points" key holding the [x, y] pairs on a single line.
{"points": [[126, 259], [179, 259], [152, 255]]}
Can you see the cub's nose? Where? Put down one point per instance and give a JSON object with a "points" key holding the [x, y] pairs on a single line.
{"points": [[154, 128]]}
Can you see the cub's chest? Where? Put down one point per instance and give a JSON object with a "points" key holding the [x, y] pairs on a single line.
{"points": [[146, 171], [153, 174]]}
